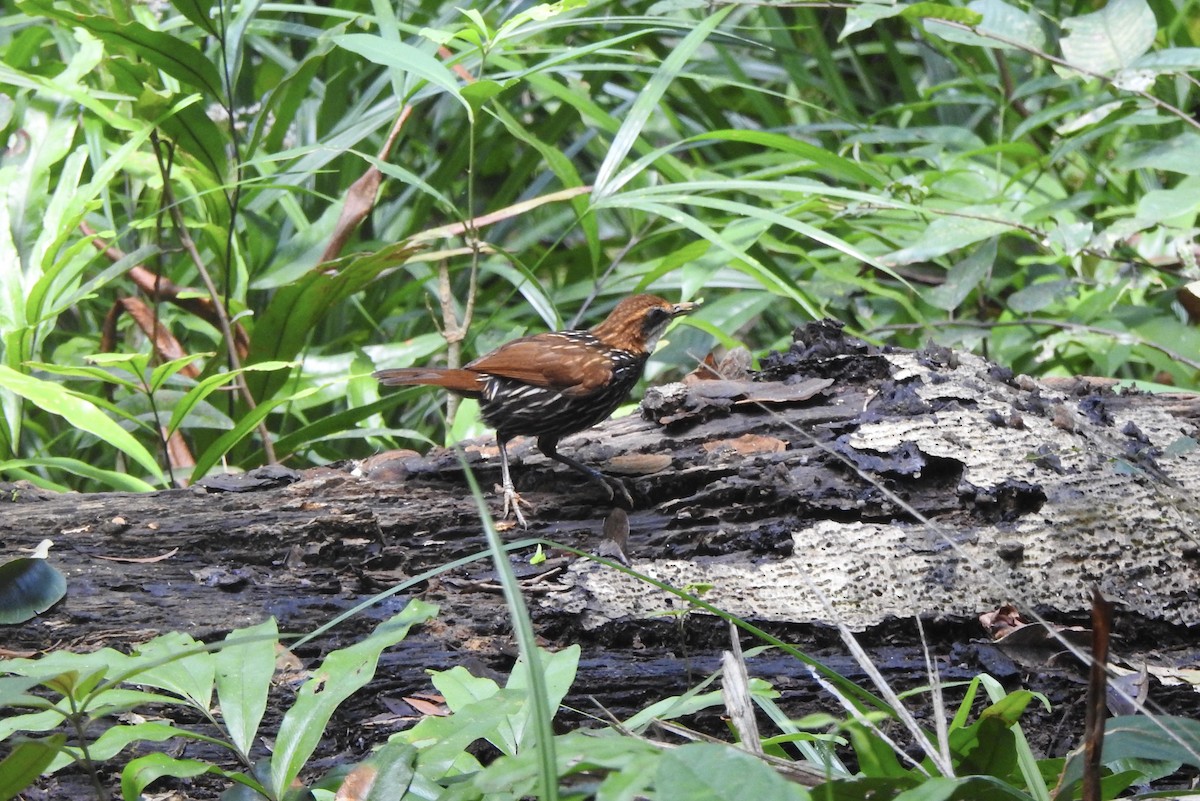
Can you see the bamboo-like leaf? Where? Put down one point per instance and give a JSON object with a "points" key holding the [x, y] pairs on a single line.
{"points": [[299, 307], [406, 59], [170, 54], [79, 412], [648, 99]]}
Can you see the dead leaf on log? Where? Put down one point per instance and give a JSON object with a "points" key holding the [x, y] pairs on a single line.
{"points": [[1003, 621], [747, 445], [428, 708], [638, 464]]}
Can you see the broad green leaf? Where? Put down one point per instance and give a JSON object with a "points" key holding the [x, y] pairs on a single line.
{"points": [[1180, 154], [477, 94], [558, 669], [1041, 295], [949, 233], [245, 664], [28, 587], [963, 277], [26, 762], [861, 16], [140, 773], [1171, 59], [1002, 26], [341, 673], [392, 770], [1178, 204], [188, 125], [712, 772], [183, 667], [79, 412], [117, 738], [1111, 38], [199, 12], [460, 688]]}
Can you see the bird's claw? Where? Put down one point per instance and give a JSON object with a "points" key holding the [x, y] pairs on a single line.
{"points": [[615, 486], [513, 501]]}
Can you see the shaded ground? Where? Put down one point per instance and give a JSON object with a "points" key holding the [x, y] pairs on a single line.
{"points": [[777, 491]]}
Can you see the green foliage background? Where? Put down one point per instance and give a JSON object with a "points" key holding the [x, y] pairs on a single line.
{"points": [[1019, 178]]}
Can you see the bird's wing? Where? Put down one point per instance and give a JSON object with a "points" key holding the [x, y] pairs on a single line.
{"points": [[565, 362]]}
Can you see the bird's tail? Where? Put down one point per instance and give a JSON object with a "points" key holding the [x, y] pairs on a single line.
{"points": [[464, 382]]}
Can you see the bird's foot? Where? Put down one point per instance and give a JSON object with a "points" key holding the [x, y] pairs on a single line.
{"points": [[513, 501], [618, 493]]}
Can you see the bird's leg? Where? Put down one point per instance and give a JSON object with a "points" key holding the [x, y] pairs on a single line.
{"points": [[511, 498], [549, 446]]}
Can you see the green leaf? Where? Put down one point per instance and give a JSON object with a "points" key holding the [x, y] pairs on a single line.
{"points": [[477, 94], [164, 371], [244, 667], [461, 689], [836, 166], [188, 125], [247, 423], [1001, 24], [173, 56], [963, 277], [1180, 154], [406, 59], [1111, 38], [558, 669], [1171, 59], [28, 587], [936, 11], [1039, 296], [1160, 738], [198, 12], [341, 673], [298, 308], [80, 413], [209, 385], [1178, 204], [178, 664], [140, 773], [949, 233], [26, 762], [391, 770], [607, 180], [712, 772]]}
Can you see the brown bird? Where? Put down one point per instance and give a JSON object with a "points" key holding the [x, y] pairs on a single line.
{"points": [[554, 384]]}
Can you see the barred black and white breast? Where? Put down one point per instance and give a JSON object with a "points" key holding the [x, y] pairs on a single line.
{"points": [[515, 407]]}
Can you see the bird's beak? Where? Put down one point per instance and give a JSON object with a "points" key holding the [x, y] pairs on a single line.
{"points": [[680, 309]]}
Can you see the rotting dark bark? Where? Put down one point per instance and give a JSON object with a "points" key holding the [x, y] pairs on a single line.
{"points": [[1038, 492]]}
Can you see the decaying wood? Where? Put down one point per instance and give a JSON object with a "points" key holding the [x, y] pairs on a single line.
{"points": [[794, 493]]}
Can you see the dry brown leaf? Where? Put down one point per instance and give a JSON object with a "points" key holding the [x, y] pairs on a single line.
{"points": [[427, 708], [747, 445]]}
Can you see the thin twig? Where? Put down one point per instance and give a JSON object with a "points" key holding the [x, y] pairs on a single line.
{"points": [[185, 239]]}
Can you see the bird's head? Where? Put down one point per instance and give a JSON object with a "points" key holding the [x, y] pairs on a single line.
{"points": [[638, 321]]}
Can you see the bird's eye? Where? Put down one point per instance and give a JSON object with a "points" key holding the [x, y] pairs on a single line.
{"points": [[655, 317]]}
